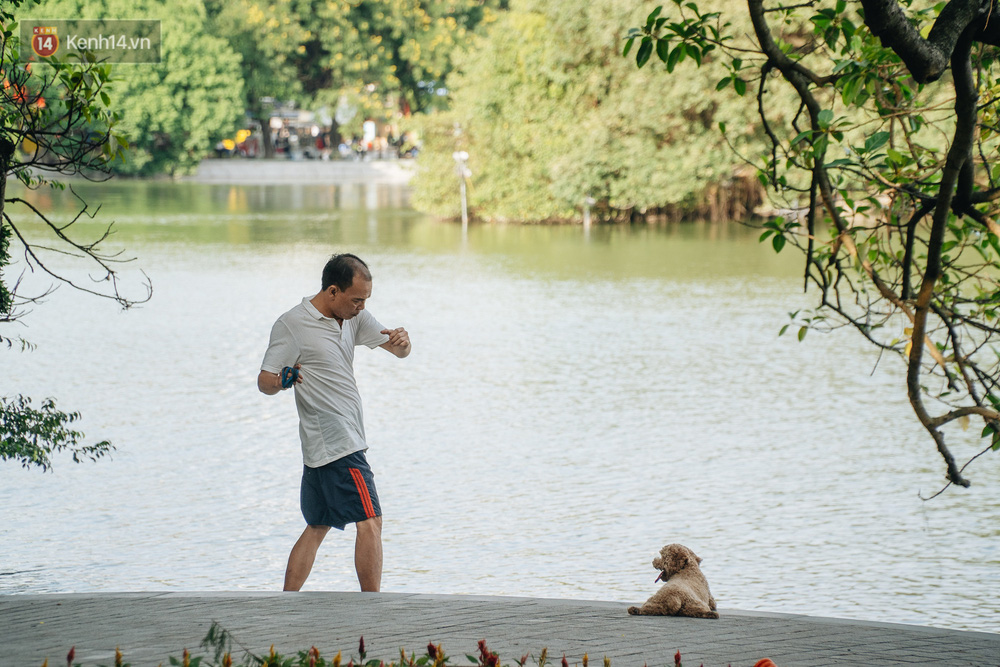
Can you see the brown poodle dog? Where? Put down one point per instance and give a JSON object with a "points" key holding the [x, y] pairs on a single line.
{"points": [[685, 592]]}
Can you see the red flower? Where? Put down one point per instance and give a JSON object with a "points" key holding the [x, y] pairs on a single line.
{"points": [[72, 651], [677, 658], [566, 664], [432, 650], [361, 648]]}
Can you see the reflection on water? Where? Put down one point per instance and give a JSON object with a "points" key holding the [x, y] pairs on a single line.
{"points": [[571, 405]]}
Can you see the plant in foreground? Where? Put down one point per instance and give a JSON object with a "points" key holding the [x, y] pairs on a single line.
{"points": [[218, 644]]}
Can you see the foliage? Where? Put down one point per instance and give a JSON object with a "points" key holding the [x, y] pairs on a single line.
{"points": [[219, 644], [267, 36], [888, 170], [30, 436], [220, 59], [175, 111], [551, 116], [55, 118], [389, 54]]}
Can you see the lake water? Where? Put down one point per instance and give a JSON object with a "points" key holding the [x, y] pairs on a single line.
{"points": [[572, 404]]}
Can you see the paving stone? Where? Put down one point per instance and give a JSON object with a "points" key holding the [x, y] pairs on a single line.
{"points": [[151, 627]]}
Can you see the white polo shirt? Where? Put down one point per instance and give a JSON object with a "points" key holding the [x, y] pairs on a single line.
{"points": [[331, 423]]}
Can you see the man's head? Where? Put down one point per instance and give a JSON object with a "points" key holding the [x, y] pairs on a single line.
{"points": [[347, 284]]}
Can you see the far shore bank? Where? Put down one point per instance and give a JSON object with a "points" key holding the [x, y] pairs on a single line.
{"points": [[306, 172]]}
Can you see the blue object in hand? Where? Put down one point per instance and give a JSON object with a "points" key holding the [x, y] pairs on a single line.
{"points": [[288, 376]]}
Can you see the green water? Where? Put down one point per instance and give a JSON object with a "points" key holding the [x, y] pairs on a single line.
{"points": [[573, 402]]}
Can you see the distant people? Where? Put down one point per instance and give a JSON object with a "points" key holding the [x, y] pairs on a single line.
{"points": [[368, 133], [317, 339]]}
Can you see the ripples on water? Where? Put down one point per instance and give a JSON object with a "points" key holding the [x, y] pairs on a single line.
{"points": [[570, 406]]}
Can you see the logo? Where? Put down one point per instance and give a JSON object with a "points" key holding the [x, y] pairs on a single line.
{"points": [[91, 40], [44, 41]]}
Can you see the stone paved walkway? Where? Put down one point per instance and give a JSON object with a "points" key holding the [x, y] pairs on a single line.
{"points": [[150, 627]]}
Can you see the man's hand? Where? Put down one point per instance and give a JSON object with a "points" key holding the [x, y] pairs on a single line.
{"points": [[270, 383], [398, 343]]}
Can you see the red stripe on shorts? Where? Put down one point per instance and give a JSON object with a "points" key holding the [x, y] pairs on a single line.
{"points": [[366, 500]]}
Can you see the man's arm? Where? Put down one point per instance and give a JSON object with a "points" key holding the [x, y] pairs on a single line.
{"points": [[398, 343], [270, 383]]}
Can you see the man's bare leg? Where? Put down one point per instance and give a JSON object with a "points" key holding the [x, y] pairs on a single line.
{"points": [[368, 554], [300, 561]]}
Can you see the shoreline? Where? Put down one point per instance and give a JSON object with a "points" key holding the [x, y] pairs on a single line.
{"points": [[244, 171]]}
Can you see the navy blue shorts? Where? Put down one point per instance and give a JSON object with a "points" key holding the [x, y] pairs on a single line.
{"points": [[339, 493]]}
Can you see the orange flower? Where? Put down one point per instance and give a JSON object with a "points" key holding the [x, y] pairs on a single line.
{"points": [[765, 662]]}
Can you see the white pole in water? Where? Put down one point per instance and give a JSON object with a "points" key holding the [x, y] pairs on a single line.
{"points": [[587, 203], [461, 157], [465, 206]]}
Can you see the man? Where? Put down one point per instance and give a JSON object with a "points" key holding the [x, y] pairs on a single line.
{"points": [[317, 338]]}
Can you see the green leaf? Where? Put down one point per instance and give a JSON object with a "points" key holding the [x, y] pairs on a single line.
{"points": [[897, 158], [802, 136], [825, 118], [876, 141], [778, 242], [740, 85], [628, 46], [850, 91], [676, 56], [802, 333], [645, 50], [653, 14], [662, 49]]}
